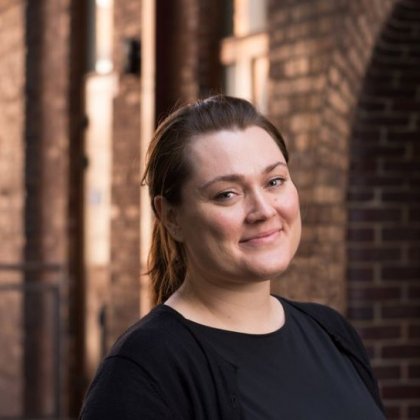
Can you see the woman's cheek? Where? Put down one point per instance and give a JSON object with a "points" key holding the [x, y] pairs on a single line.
{"points": [[224, 225], [291, 204]]}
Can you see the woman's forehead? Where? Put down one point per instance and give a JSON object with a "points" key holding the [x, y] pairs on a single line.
{"points": [[229, 141], [233, 151]]}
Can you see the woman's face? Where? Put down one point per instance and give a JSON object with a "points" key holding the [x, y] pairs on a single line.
{"points": [[239, 219]]}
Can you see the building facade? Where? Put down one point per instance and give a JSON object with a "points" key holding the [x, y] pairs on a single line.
{"points": [[82, 86]]}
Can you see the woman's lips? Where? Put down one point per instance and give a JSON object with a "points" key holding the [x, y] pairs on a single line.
{"points": [[261, 238]]}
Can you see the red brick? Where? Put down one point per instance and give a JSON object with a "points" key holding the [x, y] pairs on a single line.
{"points": [[414, 253], [387, 372], [400, 196], [414, 411], [360, 274], [414, 331], [414, 216], [401, 351], [414, 371], [374, 215], [360, 312], [370, 103], [389, 51], [405, 13], [374, 293], [404, 66], [397, 272], [361, 180], [406, 141], [391, 150], [390, 120], [400, 311], [355, 196], [390, 91], [402, 233], [360, 235], [401, 166], [392, 412], [380, 333], [415, 154], [413, 292], [374, 254], [365, 166], [363, 135], [401, 392]]}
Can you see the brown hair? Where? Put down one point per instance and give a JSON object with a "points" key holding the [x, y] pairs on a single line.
{"points": [[167, 169]]}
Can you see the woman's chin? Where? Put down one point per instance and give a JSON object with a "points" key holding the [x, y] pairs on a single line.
{"points": [[268, 271]]}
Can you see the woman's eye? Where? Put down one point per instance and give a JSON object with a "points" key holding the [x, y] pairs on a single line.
{"points": [[225, 195], [275, 182]]}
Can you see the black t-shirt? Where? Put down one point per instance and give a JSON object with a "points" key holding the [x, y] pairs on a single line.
{"points": [[296, 372]]}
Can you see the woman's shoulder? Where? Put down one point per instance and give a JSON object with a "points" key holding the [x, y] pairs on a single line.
{"points": [[321, 311], [160, 330], [332, 321]]}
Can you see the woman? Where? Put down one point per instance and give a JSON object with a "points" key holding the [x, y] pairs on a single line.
{"points": [[218, 345]]}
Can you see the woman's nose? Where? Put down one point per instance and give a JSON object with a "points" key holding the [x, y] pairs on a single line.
{"points": [[260, 207]]}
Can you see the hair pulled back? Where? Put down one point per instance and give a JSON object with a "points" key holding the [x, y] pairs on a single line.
{"points": [[167, 169]]}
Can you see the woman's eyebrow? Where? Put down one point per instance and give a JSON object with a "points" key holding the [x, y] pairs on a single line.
{"points": [[269, 168], [238, 177]]}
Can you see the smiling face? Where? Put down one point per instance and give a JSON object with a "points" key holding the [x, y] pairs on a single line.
{"points": [[239, 217]]}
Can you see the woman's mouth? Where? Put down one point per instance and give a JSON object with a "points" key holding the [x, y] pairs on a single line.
{"points": [[262, 238]]}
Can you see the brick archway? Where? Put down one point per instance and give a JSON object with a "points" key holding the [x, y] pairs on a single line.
{"points": [[384, 211]]}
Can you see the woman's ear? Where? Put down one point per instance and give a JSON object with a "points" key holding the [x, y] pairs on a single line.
{"points": [[168, 216]]}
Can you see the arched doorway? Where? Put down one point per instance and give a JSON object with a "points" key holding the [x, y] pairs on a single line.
{"points": [[384, 211]]}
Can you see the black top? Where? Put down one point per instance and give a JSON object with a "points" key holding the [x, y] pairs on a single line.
{"points": [[294, 373], [162, 368]]}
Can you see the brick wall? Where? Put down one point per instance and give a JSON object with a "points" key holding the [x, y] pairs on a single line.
{"points": [[318, 52], [208, 35], [123, 306], [34, 80], [75, 361], [332, 64], [177, 52], [384, 212], [11, 129], [12, 52], [342, 96], [46, 183], [188, 38]]}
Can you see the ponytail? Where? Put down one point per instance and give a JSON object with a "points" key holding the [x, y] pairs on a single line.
{"points": [[167, 264]]}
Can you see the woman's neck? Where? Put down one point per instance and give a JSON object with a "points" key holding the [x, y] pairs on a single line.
{"points": [[247, 308]]}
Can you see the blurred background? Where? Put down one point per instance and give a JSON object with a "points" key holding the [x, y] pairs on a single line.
{"points": [[82, 86]]}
